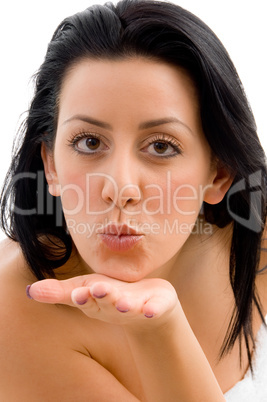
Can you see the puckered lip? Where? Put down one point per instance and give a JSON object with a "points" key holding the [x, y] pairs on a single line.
{"points": [[120, 230]]}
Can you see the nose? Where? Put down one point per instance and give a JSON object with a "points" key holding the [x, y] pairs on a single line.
{"points": [[121, 185]]}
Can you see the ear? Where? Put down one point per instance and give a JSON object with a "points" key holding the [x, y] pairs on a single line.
{"points": [[221, 183], [50, 171]]}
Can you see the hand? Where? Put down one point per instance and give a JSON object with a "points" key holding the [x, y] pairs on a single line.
{"points": [[108, 299], [155, 327]]}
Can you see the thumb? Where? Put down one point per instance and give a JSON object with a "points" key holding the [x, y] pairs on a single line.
{"points": [[54, 291]]}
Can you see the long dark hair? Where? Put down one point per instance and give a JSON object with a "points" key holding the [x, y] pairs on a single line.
{"points": [[166, 32]]}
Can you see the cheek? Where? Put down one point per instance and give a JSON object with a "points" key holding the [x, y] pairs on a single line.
{"points": [[72, 188], [81, 194], [176, 194], [188, 197]]}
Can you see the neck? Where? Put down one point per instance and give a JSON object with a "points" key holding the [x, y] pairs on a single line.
{"points": [[200, 276], [202, 259]]}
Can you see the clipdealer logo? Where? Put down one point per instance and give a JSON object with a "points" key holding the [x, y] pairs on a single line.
{"points": [[253, 222], [154, 228], [46, 204]]}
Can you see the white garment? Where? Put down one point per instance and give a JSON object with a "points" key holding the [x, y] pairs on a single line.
{"points": [[253, 389]]}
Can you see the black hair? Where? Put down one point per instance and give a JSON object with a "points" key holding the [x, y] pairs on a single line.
{"points": [[159, 31]]}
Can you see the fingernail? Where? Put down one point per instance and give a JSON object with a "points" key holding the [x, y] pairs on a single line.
{"points": [[81, 302], [149, 315], [28, 292], [121, 310], [99, 296]]}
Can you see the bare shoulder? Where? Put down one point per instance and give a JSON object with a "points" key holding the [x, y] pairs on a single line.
{"points": [[43, 347], [29, 330], [13, 268], [261, 280]]}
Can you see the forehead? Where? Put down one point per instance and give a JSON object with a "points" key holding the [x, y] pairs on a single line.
{"points": [[139, 85], [139, 70]]}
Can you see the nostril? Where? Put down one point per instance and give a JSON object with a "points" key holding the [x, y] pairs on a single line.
{"points": [[129, 200]]}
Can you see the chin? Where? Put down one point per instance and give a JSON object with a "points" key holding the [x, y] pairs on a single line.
{"points": [[126, 276], [123, 274], [119, 267]]}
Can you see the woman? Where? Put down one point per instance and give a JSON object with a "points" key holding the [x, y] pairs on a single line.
{"points": [[138, 196]]}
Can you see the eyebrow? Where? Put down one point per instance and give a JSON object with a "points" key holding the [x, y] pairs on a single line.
{"points": [[90, 120], [159, 122], [142, 126]]}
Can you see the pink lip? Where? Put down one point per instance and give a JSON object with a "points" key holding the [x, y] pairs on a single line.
{"points": [[120, 237]]}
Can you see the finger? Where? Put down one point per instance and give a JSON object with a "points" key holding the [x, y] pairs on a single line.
{"points": [[125, 305], [47, 291], [156, 306], [80, 295], [105, 295], [98, 301], [101, 289], [110, 298], [54, 291], [132, 303]]}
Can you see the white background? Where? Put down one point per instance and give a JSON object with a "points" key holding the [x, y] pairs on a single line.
{"points": [[26, 28]]}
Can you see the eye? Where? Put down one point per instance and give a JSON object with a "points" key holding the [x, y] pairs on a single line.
{"points": [[160, 147], [88, 143], [163, 147]]}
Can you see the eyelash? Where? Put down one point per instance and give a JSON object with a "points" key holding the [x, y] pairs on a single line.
{"points": [[167, 140], [158, 138], [80, 136]]}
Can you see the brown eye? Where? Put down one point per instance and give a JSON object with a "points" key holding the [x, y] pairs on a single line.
{"points": [[92, 143], [163, 148], [160, 147], [88, 144]]}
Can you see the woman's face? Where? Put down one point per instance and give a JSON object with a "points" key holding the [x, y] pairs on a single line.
{"points": [[131, 164]]}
